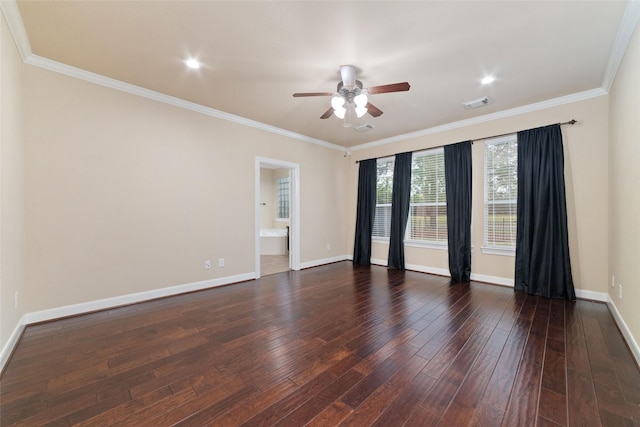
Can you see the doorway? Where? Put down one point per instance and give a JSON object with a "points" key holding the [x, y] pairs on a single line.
{"points": [[277, 213]]}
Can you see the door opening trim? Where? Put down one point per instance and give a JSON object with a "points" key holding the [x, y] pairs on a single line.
{"points": [[294, 222]]}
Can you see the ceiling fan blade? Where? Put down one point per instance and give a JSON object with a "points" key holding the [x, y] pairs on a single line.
{"points": [[373, 110], [296, 95], [393, 87], [327, 113]]}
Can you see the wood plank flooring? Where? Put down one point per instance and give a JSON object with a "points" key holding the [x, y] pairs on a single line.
{"points": [[332, 345]]}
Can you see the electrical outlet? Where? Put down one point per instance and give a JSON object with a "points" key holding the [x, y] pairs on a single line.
{"points": [[620, 291], [207, 264], [15, 300], [328, 246], [613, 281], [221, 262]]}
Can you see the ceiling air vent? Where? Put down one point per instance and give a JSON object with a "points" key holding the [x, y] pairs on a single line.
{"points": [[364, 128], [470, 105]]}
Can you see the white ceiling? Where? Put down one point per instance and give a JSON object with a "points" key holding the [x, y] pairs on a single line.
{"points": [[256, 54]]}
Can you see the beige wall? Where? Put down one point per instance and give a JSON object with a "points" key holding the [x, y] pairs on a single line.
{"points": [[585, 148], [12, 234], [624, 175], [126, 194], [267, 198]]}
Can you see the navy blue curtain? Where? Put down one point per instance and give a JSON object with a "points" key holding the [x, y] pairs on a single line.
{"points": [[543, 266], [367, 179], [457, 169], [399, 209]]}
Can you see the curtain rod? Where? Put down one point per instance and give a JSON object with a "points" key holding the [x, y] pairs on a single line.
{"points": [[570, 122]]}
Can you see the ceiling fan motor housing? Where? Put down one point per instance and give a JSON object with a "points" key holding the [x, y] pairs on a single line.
{"points": [[350, 93]]}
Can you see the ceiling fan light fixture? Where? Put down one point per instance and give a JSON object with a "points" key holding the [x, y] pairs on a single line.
{"points": [[347, 117], [337, 102], [351, 98], [361, 100]]}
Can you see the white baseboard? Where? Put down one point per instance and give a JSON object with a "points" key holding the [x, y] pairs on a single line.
{"points": [[580, 293], [107, 303], [382, 262], [494, 280], [324, 261], [429, 270], [11, 344], [592, 295], [103, 304], [626, 333]]}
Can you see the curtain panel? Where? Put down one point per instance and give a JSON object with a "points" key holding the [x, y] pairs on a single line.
{"points": [[400, 196], [542, 264], [457, 169], [367, 179]]}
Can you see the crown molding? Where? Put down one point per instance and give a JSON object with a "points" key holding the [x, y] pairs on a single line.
{"points": [[568, 99], [101, 80], [16, 27], [627, 26]]}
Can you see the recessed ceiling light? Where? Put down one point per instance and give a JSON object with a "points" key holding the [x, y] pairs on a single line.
{"points": [[192, 63], [488, 79]]}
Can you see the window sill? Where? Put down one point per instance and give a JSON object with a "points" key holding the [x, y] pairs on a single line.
{"points": [[499, 251], [427, 245], [380, 240]]}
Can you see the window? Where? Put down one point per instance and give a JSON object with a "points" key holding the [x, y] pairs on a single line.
{"points": [[384, 186], [428, 204], [500, 194], [282, 196]]}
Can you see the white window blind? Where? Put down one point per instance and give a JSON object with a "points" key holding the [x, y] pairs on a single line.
{"points": [[382, 219], [500, 193], [428, 204], [282, 195]]}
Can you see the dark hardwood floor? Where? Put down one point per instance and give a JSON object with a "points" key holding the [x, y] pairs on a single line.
{"points": [[332, 345]]}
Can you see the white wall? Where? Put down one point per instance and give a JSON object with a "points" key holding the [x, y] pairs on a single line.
{"points": [[127, 195], [12, 216], [624, 182], [105, 194]]}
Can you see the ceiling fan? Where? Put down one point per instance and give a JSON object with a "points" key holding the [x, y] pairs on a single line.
{"points": [[351, 97]]}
